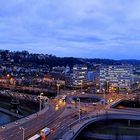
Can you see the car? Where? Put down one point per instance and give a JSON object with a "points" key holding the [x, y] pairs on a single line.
{"points": [[83, 92], [16, 122], [3, 127], [70, 130], [94, 104]]}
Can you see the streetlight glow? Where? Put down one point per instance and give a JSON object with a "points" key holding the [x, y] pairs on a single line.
{"points": [[58, 85]]}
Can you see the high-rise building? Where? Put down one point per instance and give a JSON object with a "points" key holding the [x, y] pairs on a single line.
{"points": [[116, 76], [77, 77]]}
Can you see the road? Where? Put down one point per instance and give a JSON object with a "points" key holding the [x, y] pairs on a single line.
{"points": [[63, 123], [57, 120], [31, 126], [61, 126]]}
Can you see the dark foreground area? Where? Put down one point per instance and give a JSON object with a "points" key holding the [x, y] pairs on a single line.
{"points": [[106, 129]]}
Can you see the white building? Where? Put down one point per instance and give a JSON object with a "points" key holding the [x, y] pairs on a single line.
{"points": [[117, 76], [77, 77]]}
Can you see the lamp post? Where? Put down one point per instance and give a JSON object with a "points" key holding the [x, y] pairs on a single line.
{"points": [[81, 86], [23, 132], [79, 108], [107, 86], [46, 98], [58, 85], [104, 96], [138, 84], [40, 102]]}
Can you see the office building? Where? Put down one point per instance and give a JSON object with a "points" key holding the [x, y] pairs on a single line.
{"points": [[116, 77], [77, 77]]}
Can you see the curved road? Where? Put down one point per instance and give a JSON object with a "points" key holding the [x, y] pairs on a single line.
{"points": [[31, 125]]}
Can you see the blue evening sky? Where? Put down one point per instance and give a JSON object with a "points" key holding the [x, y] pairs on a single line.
{"points": [[79, 28]]}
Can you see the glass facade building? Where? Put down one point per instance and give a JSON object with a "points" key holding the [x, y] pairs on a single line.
{"points": [[117, 76]]}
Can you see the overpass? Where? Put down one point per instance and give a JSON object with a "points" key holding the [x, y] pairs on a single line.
{"points": [[68, 127], [77, 127]]}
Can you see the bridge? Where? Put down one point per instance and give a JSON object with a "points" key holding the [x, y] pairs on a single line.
{"points": [[64, 122], [111, 114]]}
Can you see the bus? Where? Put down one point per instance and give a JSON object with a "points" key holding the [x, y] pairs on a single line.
{"points": [[35, 137], [45, 131]]}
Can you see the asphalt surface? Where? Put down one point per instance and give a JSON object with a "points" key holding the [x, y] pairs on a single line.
{"points": [[31, 126]]}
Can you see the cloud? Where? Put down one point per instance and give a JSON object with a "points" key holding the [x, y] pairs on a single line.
{"points": [[93, 28]]}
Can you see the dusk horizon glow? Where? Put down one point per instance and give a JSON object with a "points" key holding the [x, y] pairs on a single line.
{"points": [[72, 28]]}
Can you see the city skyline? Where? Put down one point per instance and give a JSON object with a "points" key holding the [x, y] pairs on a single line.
{"points": [[90, 29]]}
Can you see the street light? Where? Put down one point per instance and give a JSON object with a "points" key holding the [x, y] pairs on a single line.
{"points": [[104, 96], [79, 108], [23, 132], [81, 86], [107, 86], [138, 84], [58, 85], [40, 97], [8, 75], [46, 102]]}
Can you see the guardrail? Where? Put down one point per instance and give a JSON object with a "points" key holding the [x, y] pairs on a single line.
{"points": [[26, 123], [98, 117], [43, 118], [115, 103], [25, 119], [94, 118]]}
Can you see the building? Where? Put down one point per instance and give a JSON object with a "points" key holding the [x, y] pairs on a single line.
{"points": [[116, 77], [78, 76], [136, 74], [67, 69], [93, 75], [90, 76]]}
